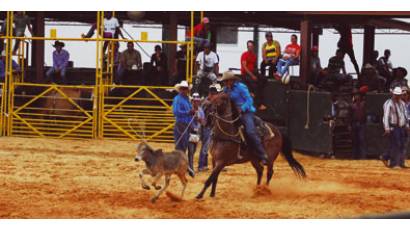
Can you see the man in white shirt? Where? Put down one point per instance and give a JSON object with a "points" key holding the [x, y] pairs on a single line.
{"points": [[207, 63], [111, 29], [395, 125]]}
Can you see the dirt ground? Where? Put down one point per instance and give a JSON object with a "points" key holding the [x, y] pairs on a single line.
{"points": [[41, 178]]}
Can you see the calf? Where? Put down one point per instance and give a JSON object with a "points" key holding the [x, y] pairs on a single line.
{"points": [[159, 163]]}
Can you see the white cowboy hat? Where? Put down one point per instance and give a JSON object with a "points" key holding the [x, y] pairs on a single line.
{"points": [[397, 90], [229, 75], [182, 84]]}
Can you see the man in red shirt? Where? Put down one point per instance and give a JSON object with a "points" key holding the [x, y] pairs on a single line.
{"points": [[202, 33], [250, 76], [290, 57]]}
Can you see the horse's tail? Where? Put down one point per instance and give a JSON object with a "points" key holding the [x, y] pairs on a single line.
{"points": [[287, 153]]}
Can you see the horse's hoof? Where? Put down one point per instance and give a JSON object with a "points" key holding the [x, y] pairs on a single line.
{"points": [[146, 187], [199, 196], [212, 195], [153, 200], [157, 187]]}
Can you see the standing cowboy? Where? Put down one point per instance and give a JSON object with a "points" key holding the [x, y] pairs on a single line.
{"points": [[239, 94], [183, 112], [395, 124]]}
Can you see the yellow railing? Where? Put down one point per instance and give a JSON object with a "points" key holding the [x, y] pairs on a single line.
{"points": [[138, 112], [52, 111], [82, 112]]}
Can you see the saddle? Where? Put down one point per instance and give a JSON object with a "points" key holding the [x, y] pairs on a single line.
{"points": [[262, 130]]}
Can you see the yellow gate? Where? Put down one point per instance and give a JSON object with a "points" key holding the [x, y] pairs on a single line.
{"points": [[54, 111], [138, 112], [3, 103]]}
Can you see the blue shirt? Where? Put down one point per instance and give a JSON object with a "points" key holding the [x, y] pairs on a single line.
{"points": [[3, 67], [181, 108], [60, 59], [240, 95]]}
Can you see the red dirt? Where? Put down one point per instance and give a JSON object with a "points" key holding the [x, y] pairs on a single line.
{"points": [[41, 178]]}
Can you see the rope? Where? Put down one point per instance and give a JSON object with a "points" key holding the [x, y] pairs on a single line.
{"points": [[183, 133], [225, 133], [308, 107], [129, 125]]}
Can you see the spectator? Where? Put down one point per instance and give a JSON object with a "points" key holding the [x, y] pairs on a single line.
{"points": [[337, 65], [180, 64], [270, 53], [345, 44], [183, 112], [370, 78], [251, 77], [206, 128], [15, 66], [359, 125], [130, 59], [316, 67], [207, 65], [111, 29], [202, 33], [395, 122], [375, 56], [194, 134], [290, 57], [399, 79], [60, 62], [2, 33], [160, 65], [21, 21], [385, 67]]}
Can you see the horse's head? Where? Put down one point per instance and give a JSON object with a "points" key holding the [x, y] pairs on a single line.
{"points": [[222, 103]]}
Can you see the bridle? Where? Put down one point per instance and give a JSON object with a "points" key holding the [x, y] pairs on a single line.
{"points": [[224, 119]]}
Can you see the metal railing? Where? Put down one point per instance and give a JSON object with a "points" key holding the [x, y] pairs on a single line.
{"points": [[103, 110]]}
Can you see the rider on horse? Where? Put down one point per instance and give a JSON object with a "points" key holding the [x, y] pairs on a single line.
{"points": [[239, 94]]}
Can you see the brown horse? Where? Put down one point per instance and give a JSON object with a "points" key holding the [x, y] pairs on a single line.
{"points": [[227, 148]]}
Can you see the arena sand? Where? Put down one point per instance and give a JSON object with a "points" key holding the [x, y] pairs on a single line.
{"points": [[43, 178]]}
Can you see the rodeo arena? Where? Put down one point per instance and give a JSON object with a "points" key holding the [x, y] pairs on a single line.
{"points": [[166, 132]]}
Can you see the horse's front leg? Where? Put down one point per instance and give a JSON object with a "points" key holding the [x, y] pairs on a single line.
{"points": [[211, 179], [144, 185]]}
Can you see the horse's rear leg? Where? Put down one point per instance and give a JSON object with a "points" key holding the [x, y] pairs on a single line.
{"points": [[215, 172], [259, 171], [270, 173]]}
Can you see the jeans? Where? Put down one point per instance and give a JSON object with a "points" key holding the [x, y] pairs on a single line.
{"points": [[181, 138], [359, 145], [51, 74], [191, 152], [272, 68], [283, 65], [248, 121], [198, 79], [205, 140], [397, 143]]}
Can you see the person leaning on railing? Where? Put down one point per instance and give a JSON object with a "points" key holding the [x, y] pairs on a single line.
{"points": [[130, 59], [60, 63]]}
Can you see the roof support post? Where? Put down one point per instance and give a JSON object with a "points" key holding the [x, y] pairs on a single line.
{"points": [[37, 55], [170, 33], [305, 43], [368, 44]]}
